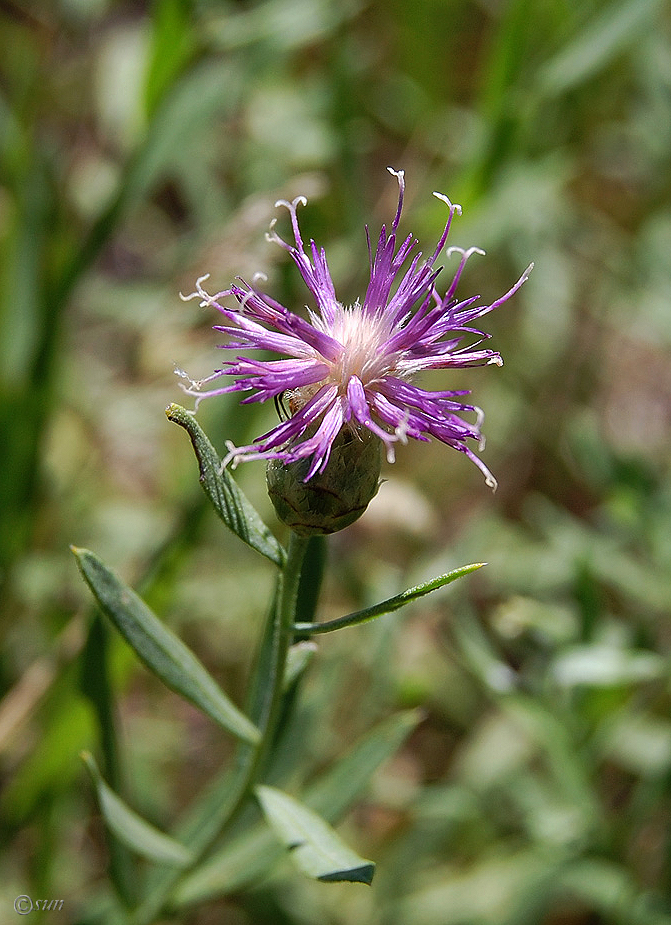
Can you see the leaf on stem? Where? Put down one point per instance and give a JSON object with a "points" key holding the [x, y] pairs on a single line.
{"points": [[160, 649], [391, 604], [244, 859], [312, 844], [299, 657], [130, 828], [229, 501]]}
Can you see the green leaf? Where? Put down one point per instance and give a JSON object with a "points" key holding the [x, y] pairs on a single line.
{"points": [[208, 90], [497, 886], [391, 604], [49, 767], [173, 44], [609, 33], [134, 831], [26, 382], [95, 684], [612, 892], [277, 26], [229, 502], [212, 809], [314, 846], [246, 858], [337, 789], [160, 649], [299, 657]]}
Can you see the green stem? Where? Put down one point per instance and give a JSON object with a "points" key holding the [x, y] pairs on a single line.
{"points": [[288, 596], [220, 806]]}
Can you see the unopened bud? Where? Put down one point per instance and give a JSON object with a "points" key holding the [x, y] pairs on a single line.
{"points": [[332, 499]]}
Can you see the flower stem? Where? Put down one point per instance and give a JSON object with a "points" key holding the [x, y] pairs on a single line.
{"points": [[284, 632]]}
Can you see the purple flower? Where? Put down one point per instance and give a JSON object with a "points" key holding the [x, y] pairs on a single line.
{"points": [[355, 366]]}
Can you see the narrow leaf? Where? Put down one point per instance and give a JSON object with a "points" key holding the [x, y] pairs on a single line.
{"points": [[338, 788], [214, 808], [391, 604], [613, 892], [160, 649], [96, 685], [134, 831], [312, 576], [246, 858], [314, 846], [172, 45], [612, 29], [230, 503], [299, 657]]}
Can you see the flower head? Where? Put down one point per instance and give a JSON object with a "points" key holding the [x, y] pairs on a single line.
{"points": [[354, 366]]}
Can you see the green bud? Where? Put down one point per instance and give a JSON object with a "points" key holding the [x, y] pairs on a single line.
{"points": [[332, 499]]}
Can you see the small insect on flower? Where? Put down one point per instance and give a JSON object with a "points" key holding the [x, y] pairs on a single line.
{"points": [[348, 372], [290, 397]]}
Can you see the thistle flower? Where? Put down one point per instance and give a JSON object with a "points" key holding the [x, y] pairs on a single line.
{"points": [[354, 367]]}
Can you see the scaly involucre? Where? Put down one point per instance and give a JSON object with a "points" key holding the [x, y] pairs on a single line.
{"points": [[355, 366]]}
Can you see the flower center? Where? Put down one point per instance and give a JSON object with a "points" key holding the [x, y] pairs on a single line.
{"points": [[362, 338]]}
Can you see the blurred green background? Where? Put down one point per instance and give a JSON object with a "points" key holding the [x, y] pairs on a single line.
{"points": [[142, 145]]}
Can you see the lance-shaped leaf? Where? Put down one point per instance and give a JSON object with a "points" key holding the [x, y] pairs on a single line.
{"points": [[160, 649], [313, 845], [299, 657], [134, 831], [229, 501], [245, 858], [391, 604]]}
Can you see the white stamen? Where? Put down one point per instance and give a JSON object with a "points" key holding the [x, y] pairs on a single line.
{"points": [[401, 429], [245, 300], [399, 174], [495, 361], [453, 207], [291, 206], [271, 235], [200, 293], [194, 383], [491, 482], [194, 394], [465, 253], [232, 457]]}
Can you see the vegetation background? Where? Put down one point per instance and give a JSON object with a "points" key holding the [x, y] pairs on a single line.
{"points": [[144, 144]]}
